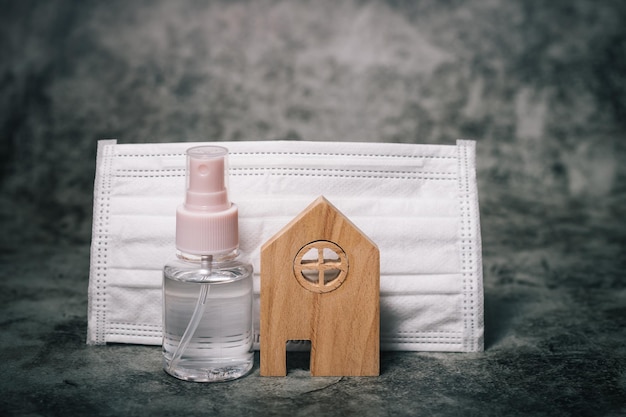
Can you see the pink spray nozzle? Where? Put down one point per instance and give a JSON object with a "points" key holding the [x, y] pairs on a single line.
{"points": [[207, 222], [206, 178]]}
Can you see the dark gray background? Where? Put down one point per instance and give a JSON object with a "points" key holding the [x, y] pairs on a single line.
{"points": [[541, 86]]}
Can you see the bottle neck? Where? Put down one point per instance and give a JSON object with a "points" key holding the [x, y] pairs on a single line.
{"points": [[212, 258]]}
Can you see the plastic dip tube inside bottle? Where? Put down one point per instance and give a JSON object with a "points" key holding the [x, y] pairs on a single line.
{"points": [[207, 291]]}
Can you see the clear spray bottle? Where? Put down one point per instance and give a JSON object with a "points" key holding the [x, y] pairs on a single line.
{"points": [[207, 292]]}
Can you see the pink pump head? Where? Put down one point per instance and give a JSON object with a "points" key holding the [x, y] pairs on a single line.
{"points": [[207, 223]]}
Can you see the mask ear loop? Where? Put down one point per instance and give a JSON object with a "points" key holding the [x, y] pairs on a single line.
{"points": [[198, 312]]}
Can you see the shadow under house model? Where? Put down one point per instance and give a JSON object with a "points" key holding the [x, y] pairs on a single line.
{"points": [[320, 281]]}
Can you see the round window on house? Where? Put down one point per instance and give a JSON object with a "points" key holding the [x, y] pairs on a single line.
{"points": [[321, 266]]}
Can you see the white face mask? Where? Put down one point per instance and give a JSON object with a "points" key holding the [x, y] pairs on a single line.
{"points": [[418, 203]]}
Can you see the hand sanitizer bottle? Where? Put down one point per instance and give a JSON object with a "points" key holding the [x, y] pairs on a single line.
{"points": [[207, 291]]}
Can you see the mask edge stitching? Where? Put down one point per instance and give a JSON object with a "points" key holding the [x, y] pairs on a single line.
{"points": [[101, 245], [357, 155]]}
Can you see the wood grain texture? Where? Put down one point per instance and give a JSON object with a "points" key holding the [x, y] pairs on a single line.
{"points": [[341, 321]]}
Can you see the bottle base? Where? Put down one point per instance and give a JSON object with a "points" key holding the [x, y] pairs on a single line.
{"points": [[204, 372]]}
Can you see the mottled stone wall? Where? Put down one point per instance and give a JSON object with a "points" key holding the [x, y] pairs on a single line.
{"points": [[540, 85]]}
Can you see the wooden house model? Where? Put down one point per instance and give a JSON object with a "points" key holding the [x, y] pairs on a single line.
{"points": [[320, 280]]}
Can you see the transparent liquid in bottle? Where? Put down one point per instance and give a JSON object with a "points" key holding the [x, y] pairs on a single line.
{"points": [[220, 348]]}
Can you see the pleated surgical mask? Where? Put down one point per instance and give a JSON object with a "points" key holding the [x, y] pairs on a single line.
{"points": [[418, 203]]}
